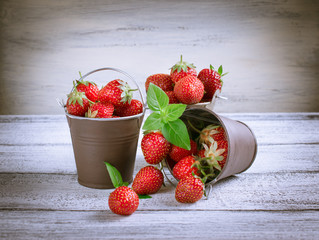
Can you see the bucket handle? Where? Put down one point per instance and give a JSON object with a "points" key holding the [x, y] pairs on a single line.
{"points": [[120, 71]]}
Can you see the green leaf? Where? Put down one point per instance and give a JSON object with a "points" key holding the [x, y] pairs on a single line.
{"points": [[115, 175], [173, 112], [153, 122], [156, 98], [176, 133], [143, 196], [220, 70]]}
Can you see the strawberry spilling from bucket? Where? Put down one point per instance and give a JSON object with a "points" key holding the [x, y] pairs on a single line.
{"points": [[148, 180]]}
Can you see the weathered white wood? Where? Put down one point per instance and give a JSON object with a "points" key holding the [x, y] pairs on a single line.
{"points": [[270, 48], [162, 225], [272, 191], [60, 159]]}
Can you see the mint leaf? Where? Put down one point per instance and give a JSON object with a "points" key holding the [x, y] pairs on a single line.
{"points": [[173, 112], [176, 133], [156, 98], [153, 122], [115, 175]]}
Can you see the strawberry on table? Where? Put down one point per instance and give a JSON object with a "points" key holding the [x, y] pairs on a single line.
{"points": [[123, 200], [189, 90], [154, 147], [100, 110], [182, 69], [189, 189], [177, 153], [116, 92], [212, 81], [77, 103], [185, 167], [162, 80], [148, 180], [133, 108]]}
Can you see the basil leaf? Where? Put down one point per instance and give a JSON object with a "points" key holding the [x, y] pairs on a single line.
{"points": [[115, 175], [156, 98], [176, 133], [153, 122], [173, 112], [143, 196]]}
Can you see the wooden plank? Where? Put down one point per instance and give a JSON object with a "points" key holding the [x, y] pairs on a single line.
{"points": [[247, 191], [159, 225], [35, 131], [60, 159]]}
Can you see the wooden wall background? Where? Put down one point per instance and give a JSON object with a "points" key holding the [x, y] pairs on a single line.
{"points": [[270, 48]]}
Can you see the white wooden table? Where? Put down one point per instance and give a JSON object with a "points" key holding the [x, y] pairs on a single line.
{"points": [[277, 198]]}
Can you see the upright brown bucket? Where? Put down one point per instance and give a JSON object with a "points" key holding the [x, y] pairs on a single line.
{"points": [[99, 140], [242, 143]]}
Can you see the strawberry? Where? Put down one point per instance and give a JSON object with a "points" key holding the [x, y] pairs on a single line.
{"points": [[148, 180], [90, 89], [177, 153], [123, 200], [189, 90], [100, 110], [154, 147], [164, 81], [212, 81], [171, 96], [182, 69], [133, 108], [185, 167], [116, 92], [77, 103], [223, 144], [189, 190]]}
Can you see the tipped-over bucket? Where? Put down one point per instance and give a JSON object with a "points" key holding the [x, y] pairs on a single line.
{"points": [[99, 140], [242, 143]]}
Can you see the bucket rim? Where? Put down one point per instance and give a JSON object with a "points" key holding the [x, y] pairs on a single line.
{"points": [[106, 119]]}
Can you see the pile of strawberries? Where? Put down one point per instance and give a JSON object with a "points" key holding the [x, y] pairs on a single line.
{"points": [[184, 85], [192, 168], [112, 101]]}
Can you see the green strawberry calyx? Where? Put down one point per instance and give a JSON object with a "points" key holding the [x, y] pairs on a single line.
{"points": [[127, 93], [182, 65], [86, 83], [77, 97]]}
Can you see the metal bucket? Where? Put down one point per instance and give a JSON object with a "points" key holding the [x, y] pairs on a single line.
{"points": [[99, 140], [242, 143]]}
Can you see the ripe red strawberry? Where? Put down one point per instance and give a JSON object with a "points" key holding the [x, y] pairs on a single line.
{"points": [[164, 81], [154, 147], [171, 96], [123, 200], [89, 88], [116, 92], [212, 81], [77, 103], [223, 144], [100, 110], [189, 90], [148, 180], [185, 167], [133, 108], [178, 153], [182, 69], [189, 190]]}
